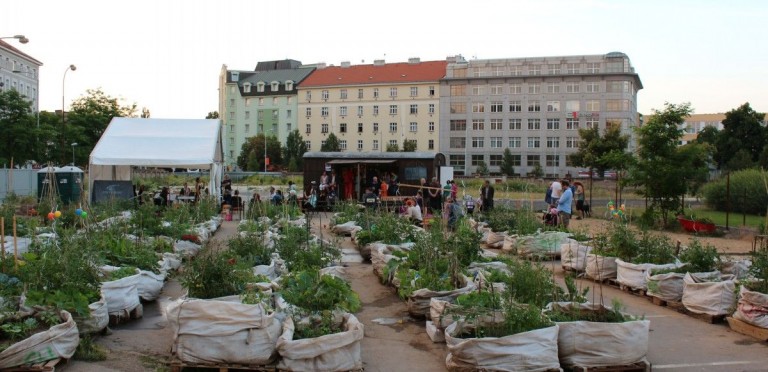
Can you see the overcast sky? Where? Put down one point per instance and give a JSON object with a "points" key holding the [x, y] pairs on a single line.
{"points": [[166, 54]]}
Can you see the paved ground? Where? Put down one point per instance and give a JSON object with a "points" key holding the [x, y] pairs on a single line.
{"points": [[395, 342]]}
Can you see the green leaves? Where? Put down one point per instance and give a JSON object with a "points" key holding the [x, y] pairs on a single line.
{"points": [[316, 293]]}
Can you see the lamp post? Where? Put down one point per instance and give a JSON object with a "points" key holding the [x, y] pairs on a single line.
{"points": [[266, 159], [63, 121], [73, 153], [21, 38]]}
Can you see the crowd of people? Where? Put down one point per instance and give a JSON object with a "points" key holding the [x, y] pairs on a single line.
{"points": [[560, 198]]}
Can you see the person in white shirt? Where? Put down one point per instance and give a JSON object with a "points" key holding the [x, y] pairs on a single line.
{"points": [[557, 190], [413, 213]]}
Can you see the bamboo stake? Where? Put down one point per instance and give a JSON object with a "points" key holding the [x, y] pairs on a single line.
{"points": [[2, 242], [15, 247]]}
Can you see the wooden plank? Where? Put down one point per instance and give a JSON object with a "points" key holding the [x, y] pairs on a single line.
{"points": [[657, 301], [178, 366], [47, 366], [634, 367], [748, 329]]}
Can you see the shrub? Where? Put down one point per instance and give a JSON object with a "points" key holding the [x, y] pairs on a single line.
{"points": [[748, 194]]}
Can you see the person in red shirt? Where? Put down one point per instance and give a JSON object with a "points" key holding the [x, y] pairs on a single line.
{"points": [[383, 189]]}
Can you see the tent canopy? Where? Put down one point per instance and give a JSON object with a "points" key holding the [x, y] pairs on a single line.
{"points": [[166, 143]]}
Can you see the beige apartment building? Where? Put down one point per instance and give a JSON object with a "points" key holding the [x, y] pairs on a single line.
{"points": [[368, 107]]}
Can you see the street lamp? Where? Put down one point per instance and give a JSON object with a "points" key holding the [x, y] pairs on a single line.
{"points": [[266, 159], [73, 153], [21, 38], [63, 122]]}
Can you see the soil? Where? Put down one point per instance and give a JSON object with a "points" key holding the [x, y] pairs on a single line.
{"points": [[393, 340]]}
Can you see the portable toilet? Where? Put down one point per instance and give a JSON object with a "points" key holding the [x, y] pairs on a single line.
{"points": [[46, 179], [70, 181]]}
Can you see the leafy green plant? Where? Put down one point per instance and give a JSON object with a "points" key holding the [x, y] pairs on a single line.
{"points": [[120, 273], [89, 351], [530, 283], [314, 292], [518, 318], [19, 330], [300, 252], [759, 270], [654, 249], [700, 258], [603, 315], [212, 275], [249, 248]]}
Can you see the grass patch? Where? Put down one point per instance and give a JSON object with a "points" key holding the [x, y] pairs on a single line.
{"points": [[89, 351]]}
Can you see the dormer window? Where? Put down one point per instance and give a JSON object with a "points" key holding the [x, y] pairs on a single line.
{"points": [[247, 88], [275, 85], [235, 75], [289, 85], [260, 86]]}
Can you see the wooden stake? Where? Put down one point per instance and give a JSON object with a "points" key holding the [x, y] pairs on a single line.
{"points": [[15, 247], [2, 242]]}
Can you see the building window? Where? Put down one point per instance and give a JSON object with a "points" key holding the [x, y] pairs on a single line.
{"points": [[553, 160], [553, 124], [515, 124], [458, 125], [515, 88], [375, 127], [322, 143], [431, 90], [343, 110], [275, 86], [231, 115], [572, 87], [431, 108], [497, 107], [261, 101], [324, 128], [613, 123], [533, 160], [572, 106], [288, 127], [343, 128], [324, 111], [247, 114], [360, 94], [308, 95], [393, 143], [593, 68], [515, 106], [274, 101], [593, 123], [289, 86], [477, 90], [593, 87], [260, 86], [553, 87], [375, 93], [458, 108], [431, 126], [534, 106], [617, 87], [359, 127], [534, 88], [414, 126], [593, 105], [247, 128], [247, 102], [478, 107], [359, 145], [274, 114], [260, 115], [572, 68], [534, 142], [456, 161], [231, 128], [496, 142], [534, 70], [497, 124], [553, 106], [553, 69], [497, 89], [231, 102], [414, 109], [458, 90], [308, 111], [359, 110], [534, 124], [457, 142], [375, 110], [515, 142], [309, 128], [515, 70], [325, 94], [572, 124], [431, 144], [616, 105], [247, 88], [392, 92], [553, 142], [375, 145], [414, 91], [393, 109], [478, 159], [288, 113], [343, 145], [495, 160], [343, 94], [478, 142], [478, 124], [572, 142], [392, 127]]}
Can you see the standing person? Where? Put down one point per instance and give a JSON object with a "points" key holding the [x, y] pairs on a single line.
{"points": [[557, 190], [323, 181], [486, 196], [348, 177], [564, 205], [579, 200], [383, 189], [454, 213], [198, 189], [447, 190], [332, 183], [375, 185], [454, 190], [435, 197], [419, 198], [548, 195], [425, 194]]}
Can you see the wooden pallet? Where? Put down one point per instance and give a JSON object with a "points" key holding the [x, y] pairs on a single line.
{"points": [[47, 366], [747, 329], [178, 366], [680, 308], [657, 301], [635, 367], [117, 319], [634, 291]]}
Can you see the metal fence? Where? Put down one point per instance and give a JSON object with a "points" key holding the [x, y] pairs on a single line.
{"points": [[22, 182]]}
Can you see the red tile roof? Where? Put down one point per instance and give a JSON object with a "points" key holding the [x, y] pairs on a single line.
{"points": [[390, 73], [14, 50]]}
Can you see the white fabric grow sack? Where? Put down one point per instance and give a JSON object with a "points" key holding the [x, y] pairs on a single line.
{"points": [[437, 312], [705, 297], [600, 267], [528, 351], [634, 275], [22, 245], [97, 320], [349, 227], [186, 248], [59, 341], [739, 268], [752, 308], [150, 285], [573, 255], [216, 331], [547, 242], [596, 344], [334, 352], [666, 287], [496, 239], [170, 261], [122, 295], [419, 301], [476, 267]]}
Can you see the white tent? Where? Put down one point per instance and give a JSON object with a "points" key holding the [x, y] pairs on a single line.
{"points": [[165, 143]]}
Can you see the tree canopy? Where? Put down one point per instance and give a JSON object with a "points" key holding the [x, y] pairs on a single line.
{"points": [[251, 156], [294, 150], [331, 144]]}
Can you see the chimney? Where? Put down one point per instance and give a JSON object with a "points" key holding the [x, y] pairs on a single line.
{"points": [[345, 64], [414, 60], [378, 62]]}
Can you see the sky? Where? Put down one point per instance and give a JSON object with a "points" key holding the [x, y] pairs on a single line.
{"points": [[166, 55]]}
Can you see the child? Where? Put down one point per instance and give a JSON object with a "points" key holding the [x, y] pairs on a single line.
{"points": [[550, 218], [469, 203]]}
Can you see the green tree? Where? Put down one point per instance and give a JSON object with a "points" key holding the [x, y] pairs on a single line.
{"points": [[598, 153], [251, 156], [17, 128], [661, 164], [85, 123], [294, 150], [212, 115], [409, 145], [742, 130], [331, 144], [482, 168], [507, 165], [393, 147]]}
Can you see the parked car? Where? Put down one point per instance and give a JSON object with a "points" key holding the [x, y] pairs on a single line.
{"points": [[609, 174]]}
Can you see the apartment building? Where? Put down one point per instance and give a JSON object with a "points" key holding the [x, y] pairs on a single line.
{"points": [[534, 107], [260, 101], [370, 106], [20, 71]]}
